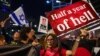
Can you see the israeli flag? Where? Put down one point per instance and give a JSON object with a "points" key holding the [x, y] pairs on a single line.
{"points": [[18, 17]]}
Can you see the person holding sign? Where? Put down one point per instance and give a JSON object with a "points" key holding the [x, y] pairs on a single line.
{"points": [[80, 46], [84, 33], [83, 47], [86, 42]]}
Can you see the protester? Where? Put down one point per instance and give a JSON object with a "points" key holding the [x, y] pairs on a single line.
{"points": [[2, 40], [28, 36], [84, 33], [52, 47], [16, 38], [3, 30], [85, 39], [82, 46]]}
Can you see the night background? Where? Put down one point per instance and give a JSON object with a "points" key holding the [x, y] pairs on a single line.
{"points": [[33, 9]]}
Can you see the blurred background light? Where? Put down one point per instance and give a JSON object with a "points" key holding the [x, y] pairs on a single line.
{"points": [[48, 1], [58, 1]]}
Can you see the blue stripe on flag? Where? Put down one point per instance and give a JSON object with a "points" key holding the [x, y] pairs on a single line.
{"points": [[13, 14]]}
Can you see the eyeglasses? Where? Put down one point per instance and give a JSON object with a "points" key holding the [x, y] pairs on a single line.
{"points": [[49, 39]]}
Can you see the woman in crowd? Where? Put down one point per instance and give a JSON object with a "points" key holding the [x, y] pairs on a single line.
{"points": [[51, 47]]}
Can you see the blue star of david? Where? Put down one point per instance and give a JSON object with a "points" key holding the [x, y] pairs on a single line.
{"points": [[22, 17]]}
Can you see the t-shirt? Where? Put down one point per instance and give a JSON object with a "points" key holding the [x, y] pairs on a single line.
{"points": [[53, 52]]}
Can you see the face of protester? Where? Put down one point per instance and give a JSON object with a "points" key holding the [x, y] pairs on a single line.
{"points": [[2, 42], [30, 34], [16, 35], [84, 32], [49, 41]]}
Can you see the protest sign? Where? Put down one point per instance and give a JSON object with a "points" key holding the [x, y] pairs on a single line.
{"points": [[71, 17]]}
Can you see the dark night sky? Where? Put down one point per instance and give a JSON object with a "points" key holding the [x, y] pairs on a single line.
{"points": [[32, 8]]}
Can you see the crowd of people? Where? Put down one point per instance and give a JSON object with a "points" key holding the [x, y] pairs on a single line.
{"points": [[50, 44]]}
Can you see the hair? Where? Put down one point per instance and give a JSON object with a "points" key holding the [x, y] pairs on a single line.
{"points": [[56, 42], [24, 31], [2, 38], [15, 32], [41, 40]]}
